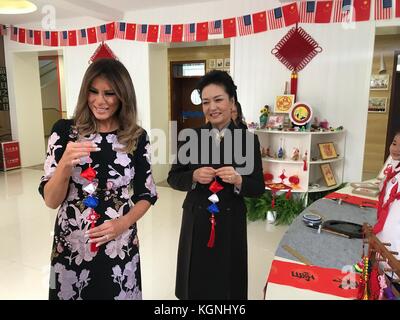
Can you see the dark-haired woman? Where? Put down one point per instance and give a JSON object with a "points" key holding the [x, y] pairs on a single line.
{"points": [[237, 116], [222, 166], [91, 162]]}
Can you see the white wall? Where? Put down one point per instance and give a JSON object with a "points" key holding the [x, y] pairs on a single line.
{"points": [[335, 83], [27, 121]]}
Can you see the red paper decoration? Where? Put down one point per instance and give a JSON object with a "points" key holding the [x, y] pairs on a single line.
{"points": [[103, 51], [295, 50]]}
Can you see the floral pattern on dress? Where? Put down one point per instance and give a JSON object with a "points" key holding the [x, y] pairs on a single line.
{"points": [[127, 281], [72, 258], [68, 280]]}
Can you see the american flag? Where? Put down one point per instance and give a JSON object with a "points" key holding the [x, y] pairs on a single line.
{"points": [[215, 27], [3, 30], [101, 33], [275, 18], [82, 37], [383, 9], [63, 38], [46, 38], [120, 30], [29, 36], [245, 25], [141, 32], [342, 10], [165, 33], [14, 33], [307, 11], [189, 32]]}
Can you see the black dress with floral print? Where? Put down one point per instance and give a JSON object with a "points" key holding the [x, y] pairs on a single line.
{"points": [[113, 272]]}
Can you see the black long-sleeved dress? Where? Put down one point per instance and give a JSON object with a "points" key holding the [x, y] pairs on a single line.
{"points": [[219, 272], [113, 272]]}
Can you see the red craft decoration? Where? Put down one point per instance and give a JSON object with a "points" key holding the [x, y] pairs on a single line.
{"points": [[89, 174], [211, 241], [268, 177], [93, 216], [294, 179], [215, 187], [103, 51], [282, 176], [295, 50]]}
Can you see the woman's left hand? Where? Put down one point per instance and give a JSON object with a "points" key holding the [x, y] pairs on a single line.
{"points": [[229, 175], [107, 231]]}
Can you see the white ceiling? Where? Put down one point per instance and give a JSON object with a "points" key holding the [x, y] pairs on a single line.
{"points": [[100, 9]]}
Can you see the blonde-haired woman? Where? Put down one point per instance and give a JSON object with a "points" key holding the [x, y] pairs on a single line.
{"points": [[91, 162]]}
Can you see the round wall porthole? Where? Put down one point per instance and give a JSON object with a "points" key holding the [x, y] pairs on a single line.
{"points": [[195, 97]]}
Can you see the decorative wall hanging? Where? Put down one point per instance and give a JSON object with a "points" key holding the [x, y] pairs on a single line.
{"points": [[295, 50], [300, 114], [103, 51]]}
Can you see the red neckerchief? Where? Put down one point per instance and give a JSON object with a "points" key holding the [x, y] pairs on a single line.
{"points": [[383, 208]]}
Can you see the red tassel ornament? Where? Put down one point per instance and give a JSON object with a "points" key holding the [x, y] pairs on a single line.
{"points": [[211, 240]]}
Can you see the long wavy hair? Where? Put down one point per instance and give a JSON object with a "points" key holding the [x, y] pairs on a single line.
{"points": [[121, 83]]}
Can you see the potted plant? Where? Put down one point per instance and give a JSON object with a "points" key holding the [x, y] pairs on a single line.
{"points": [[286, 209]]}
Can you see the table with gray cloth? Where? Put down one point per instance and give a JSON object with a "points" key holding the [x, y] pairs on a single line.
{"points": [[326, 249]]}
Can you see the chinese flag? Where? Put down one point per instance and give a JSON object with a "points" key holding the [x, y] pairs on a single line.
{"points": [[152, 33], [37, 37], [229, 27], [91, 35], [397, 8], [72, 38], [21, 35], [362, 10], [177, 33], [323, 12], [202, 31], [290, 14], [110, 29], [54, 39], [130, 33], [260, 21]]}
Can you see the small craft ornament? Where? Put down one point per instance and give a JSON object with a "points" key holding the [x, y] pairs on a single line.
{"points": [[268, 177], [305, 161], [282, 176], [90, 188], [93, 217], [91, 202], [89, 174], [215, 187], [382, 286], [213, 198], [213, 208]]}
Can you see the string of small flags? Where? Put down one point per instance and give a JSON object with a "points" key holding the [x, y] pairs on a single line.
{"points": [[317, 11]]}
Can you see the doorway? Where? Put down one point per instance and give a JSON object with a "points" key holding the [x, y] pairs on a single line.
{"points": [[394, 111], [383, 112], [186, 107], [50, 89]]}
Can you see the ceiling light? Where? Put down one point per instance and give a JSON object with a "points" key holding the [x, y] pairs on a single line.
{"points": [[16, 7]]}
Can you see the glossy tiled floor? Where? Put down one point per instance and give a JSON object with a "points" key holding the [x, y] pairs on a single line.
{"points": [[25, 240]]}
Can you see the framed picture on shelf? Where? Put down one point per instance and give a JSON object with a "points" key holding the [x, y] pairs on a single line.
{"points": [[283, 103], [377, 105], [275, 121], [211, 63], [227, 62], [327, 173], [379, 82], [327, 150], [220, 63]]}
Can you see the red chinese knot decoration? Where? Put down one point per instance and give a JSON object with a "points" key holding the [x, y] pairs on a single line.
{"points": [[295, 50]]}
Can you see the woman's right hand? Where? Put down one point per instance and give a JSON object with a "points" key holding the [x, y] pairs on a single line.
{"points": [[75, 151], [204, 175]]}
